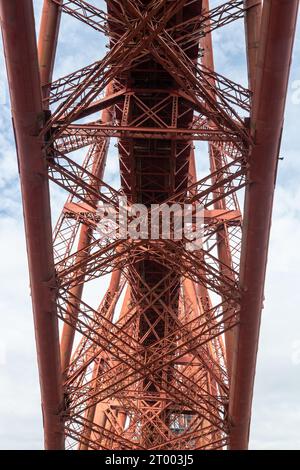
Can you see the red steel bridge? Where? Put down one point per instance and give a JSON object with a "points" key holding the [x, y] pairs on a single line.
{"points": [[165, 357]]}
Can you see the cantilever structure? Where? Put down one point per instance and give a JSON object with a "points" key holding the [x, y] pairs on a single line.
{"points": [[166, 358]]}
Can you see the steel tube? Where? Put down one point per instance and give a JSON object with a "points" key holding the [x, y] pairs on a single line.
{"points": [[252, 33], [276, 42], [47, 41], [18, 31], [216, 163]]}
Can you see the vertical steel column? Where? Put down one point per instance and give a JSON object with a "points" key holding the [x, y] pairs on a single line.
{"points": [[252, 31], [98, 415], [90, 413], [274, 58], [222, 237], [47, 41], [18, 31]]}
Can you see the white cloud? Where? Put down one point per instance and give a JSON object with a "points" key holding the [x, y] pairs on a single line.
{"points": [[21, 425]]}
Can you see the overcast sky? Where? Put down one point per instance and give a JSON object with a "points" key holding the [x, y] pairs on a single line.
{"points": [[276, 406]]}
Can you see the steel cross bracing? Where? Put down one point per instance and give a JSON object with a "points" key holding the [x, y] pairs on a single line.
{"points": [[166, 358]]}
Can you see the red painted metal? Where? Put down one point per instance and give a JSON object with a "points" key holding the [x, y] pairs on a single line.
{"points": [[252, 32], [17, 21], [85, 238], [276, 40], [47, 42], [171, 364]]}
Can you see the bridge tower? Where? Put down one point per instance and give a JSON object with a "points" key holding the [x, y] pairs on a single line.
{"points": [[164, 357]]}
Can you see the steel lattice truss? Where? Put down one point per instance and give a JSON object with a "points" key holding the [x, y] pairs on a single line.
{"points": [[161, 361]]}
